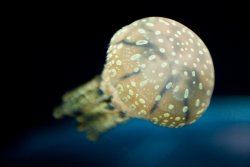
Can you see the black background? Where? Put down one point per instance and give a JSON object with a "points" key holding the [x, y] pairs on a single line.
{"points": [[69, 44]]}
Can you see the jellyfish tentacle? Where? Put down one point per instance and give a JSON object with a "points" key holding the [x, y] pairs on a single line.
{"points": [[91, 108]]}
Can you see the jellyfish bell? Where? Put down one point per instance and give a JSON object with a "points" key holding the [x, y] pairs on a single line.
{"points": [[157, 69], [160, 70]]}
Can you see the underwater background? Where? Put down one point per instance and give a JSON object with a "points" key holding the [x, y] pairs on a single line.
{"points": [[69, 47]]}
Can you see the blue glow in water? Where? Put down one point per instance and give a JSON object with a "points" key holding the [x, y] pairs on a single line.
{"points": [[221, 137]]}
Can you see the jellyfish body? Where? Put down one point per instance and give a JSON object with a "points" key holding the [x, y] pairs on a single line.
{"points": [[156, 69], [160, 70]]}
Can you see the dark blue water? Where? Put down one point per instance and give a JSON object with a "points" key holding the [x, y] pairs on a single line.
{"points": [[220, 138]]}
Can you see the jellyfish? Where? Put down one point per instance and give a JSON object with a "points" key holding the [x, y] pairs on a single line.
{"points": [[157, 69]]}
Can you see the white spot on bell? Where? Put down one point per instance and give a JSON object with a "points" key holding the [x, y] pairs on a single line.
{"points": [[197, 102], [162, 50], [131, 92], [161, 74], [200, 86], [160, 40], [163, 65], [157, 32], [177, 118], [150, 24], [118, 62], [166, 114], [164, 22], [174, 72], [135, 57], [156, 87], [152, 57], [169, 85], [176, 89], [142, 101], [208, 92], [186, 93], [193, 73], [136, 69], [170, 106], [142, 31], [133, 83], [200, 52], [185, 109], [143, 83], [158, 97], [141, 42], [185, 73]]}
